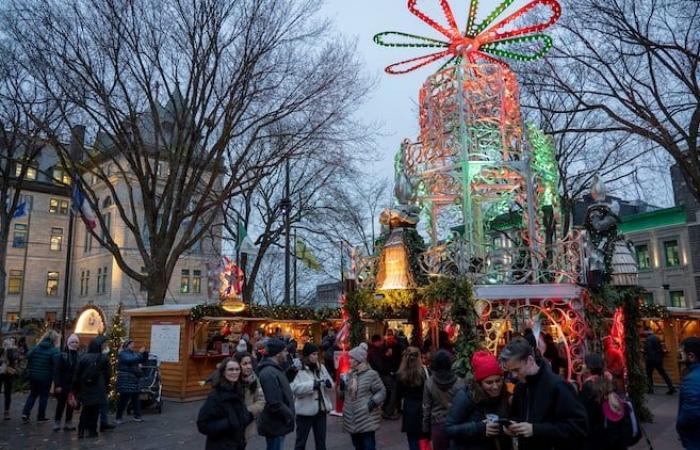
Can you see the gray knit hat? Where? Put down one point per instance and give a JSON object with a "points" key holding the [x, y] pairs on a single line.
{"points": [[359, 353]]}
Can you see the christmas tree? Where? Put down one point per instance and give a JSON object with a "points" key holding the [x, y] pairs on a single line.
{"points": [[116, 337]]}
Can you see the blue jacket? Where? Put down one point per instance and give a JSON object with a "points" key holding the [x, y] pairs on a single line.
{"points": [[40, 361], [689, 409], [128, 371]]}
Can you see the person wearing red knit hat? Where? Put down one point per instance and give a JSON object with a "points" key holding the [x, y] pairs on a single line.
{"points": [[472, 422]]}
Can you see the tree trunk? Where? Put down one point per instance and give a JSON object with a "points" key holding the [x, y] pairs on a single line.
{"points": [[3, 274], [157, 288]]}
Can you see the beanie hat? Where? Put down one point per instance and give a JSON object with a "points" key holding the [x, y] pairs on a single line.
{"points": [[484, 365], [359, 353], [241, 347], [126, 343], [275, 346], [442, 361], [309, 348]]}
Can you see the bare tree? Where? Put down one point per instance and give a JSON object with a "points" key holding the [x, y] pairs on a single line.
{"points": [[238, 78], [21, 142], [635, 63]]}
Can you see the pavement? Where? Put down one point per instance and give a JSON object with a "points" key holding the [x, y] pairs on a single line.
{"points": [[176, 428]]}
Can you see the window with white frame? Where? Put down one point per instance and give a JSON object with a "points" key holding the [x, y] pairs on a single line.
{"points": [[56, 242]]}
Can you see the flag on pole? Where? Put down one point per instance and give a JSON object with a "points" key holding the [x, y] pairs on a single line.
{"points": [[305, 255], [241, 235], [243, 242], [21, 210], [81, 206]]}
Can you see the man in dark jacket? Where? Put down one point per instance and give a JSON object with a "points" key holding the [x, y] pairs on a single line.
{"points": [[40, 365], [689, 399], [91, 384], [277, 418], [329, 348], [64, 371], [654, 359], [545, 411]]}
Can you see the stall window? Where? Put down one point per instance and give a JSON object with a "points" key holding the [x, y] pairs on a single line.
{"points": [[185, 281], [677, 299], [643, 260], [52, 284], [671, 253], [196, 281], [14, 282], [19, 238], [56, 239]]}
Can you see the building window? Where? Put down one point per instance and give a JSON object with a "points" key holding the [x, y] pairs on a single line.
{"points": [[643, 260], [648, 298], [30, 175], [60, 176], [101, 280], [14, 282], [12, 317], [87, 244], [52, 284], [58, 206], [19, 238], [29, 200], [50, 316], [185, 281], [196, 281], [84, 282], [56, 239], [108, 225], [677, 299], [671, 253]]}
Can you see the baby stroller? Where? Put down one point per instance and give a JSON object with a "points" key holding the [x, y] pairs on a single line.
{"points": [[150, 384]]}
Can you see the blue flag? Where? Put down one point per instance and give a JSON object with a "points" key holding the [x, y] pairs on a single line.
{"points": [[21, 210]]}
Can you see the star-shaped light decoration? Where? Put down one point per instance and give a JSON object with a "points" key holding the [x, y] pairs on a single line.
{"points": [[478, 41]]}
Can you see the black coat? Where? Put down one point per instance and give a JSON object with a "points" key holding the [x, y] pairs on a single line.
{"points": [[65, 365], [653, 350], [95, 392], [377, 360], [277, 418], [223, 419], [465, 424], [600, 436], [558, 418], [129, 371], [412, 418]]}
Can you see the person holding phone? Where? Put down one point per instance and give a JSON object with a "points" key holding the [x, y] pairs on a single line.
{"points": [[477, 413]]}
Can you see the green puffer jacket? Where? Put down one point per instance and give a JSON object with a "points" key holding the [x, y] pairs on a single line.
{"points": [[40, 361]]}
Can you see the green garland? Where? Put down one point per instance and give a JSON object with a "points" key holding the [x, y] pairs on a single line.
{"points": [[654, 310], [355, 303], [277, 312], [115, 337], [458, 293]]}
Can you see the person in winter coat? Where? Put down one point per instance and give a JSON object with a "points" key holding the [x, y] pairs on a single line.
{"points": [[64, 371], [223, 417], [410, 382], [313, 388], [128, 374], [329, 347], [654, 360], [40, 368], [472, 421], [9, 362], [277, 417], [597, 388], [254, 397], [689, 399], [545, 412], [363, 392], [90, 385], [440, 389]]}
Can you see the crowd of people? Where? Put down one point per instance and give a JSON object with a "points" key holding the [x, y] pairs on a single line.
{"points": [[517, 400], [79, 380]]}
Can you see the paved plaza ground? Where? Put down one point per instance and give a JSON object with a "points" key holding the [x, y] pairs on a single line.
{"points": [[175, 428]]}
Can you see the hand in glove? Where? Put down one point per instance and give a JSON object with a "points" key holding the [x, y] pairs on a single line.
{"points": [[317, 384], [328, 384]]}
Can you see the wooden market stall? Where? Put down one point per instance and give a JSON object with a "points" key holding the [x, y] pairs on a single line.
{"points": [[671, 331]]}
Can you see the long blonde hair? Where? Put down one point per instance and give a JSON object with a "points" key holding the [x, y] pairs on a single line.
{"points": [[411, 371]]}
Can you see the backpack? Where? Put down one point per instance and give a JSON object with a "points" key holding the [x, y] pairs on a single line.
{"points": [[91, 374], [626, 431]]}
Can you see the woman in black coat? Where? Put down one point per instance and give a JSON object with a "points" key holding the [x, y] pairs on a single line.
{"points": [[224, 416], [411, 378], [472, 423], [64, 372], [90, 385], [128, 374]]}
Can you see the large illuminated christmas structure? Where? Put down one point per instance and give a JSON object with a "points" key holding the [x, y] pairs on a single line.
{"points": [[484, 184]]}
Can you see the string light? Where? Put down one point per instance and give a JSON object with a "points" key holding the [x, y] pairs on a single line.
{"points": [[476, 42]]}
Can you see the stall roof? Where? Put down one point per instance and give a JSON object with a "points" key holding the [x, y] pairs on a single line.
{"points": [[526, 291], [689, 312], [161, 310]]}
